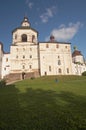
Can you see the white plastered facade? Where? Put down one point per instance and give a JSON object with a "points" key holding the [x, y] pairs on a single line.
{"points": [[28, 55]]}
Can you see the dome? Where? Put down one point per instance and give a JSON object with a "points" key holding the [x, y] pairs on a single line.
{"points": [[25, 22], [76, 53], [52, 38]]}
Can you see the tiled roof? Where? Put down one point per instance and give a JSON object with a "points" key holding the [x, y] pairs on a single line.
{"points": [[76, 53]]}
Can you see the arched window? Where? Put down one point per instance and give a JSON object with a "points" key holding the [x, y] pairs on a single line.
{"points": [[24, 38], [65, 46], [23, 49], [16, 56], [57, 46], [67, 70], [49, 68], [15, 36], [23, 56], [6, 59], [33, 38], [30, 56], [59, 62], [17, 49], [30, 66], [58, 57], [59, 70], [47, 45], [23, 67]]}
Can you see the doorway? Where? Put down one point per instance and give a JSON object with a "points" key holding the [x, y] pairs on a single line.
{"points": [[23, 75]]}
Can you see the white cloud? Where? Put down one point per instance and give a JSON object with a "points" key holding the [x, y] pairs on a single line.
{"points": [[49, 13], [30, 4], [65, 33]]}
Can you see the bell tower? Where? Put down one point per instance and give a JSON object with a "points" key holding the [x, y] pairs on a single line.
{"points": [[24, 51], [24, 34]]}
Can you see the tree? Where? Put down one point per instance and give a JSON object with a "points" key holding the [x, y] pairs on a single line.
{"points": [[84, 73]]}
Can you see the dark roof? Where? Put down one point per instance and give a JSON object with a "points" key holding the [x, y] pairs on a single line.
{"points": [[25, 20], [24, 28], [76, 53], [56, 42]]}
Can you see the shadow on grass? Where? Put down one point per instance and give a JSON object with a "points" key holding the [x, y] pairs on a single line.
{"points": [[41, 110]]}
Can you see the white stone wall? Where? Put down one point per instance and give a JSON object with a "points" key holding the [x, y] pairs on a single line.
{"points": [[55, 59], [1, 56], [78, 69], [17, 36], [24, 54], [50, 56], [78, 59], [29, 56], [5, 65], [24, 58]]}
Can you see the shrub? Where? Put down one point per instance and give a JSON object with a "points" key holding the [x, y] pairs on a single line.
{"points": [[32, 78], [84, 73], [2, 83]]}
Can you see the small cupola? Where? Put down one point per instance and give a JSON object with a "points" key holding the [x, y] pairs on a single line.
{"points": [[25, 22], [52, 38], [76, 52]]}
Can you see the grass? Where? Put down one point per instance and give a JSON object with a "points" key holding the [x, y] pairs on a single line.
{"points": [[44, 104]]}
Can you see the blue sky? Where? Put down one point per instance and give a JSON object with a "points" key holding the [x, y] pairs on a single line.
{"points": [[66, 19]]}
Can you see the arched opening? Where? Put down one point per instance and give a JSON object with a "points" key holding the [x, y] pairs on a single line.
{"points": [[23, 75], [59, 70], [67, 70], [33, 38], [24, 38], [45, 73]]}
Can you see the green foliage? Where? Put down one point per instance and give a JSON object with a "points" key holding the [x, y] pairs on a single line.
{"points": [[3, 83], [44, 104], [84, 73], [32, 78], [75, 48]]}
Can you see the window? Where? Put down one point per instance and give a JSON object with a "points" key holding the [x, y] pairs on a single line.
{"points": [[30, 66], [30, 56], [33, 38], [58, 57], [23, 49], [57, 46], [4, 68], [45, 73], [43, 57], [30, 49], [6, 59], [17, 49], [16, 57], [67, 70], [15, 36], [59, 62], [65, 46], [47, 46], [23, 67], [59, 70], [24, 38], [49, 68], [23, 56]]}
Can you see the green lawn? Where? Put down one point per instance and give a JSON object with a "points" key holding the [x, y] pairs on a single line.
{"points": [[44, 104]]}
